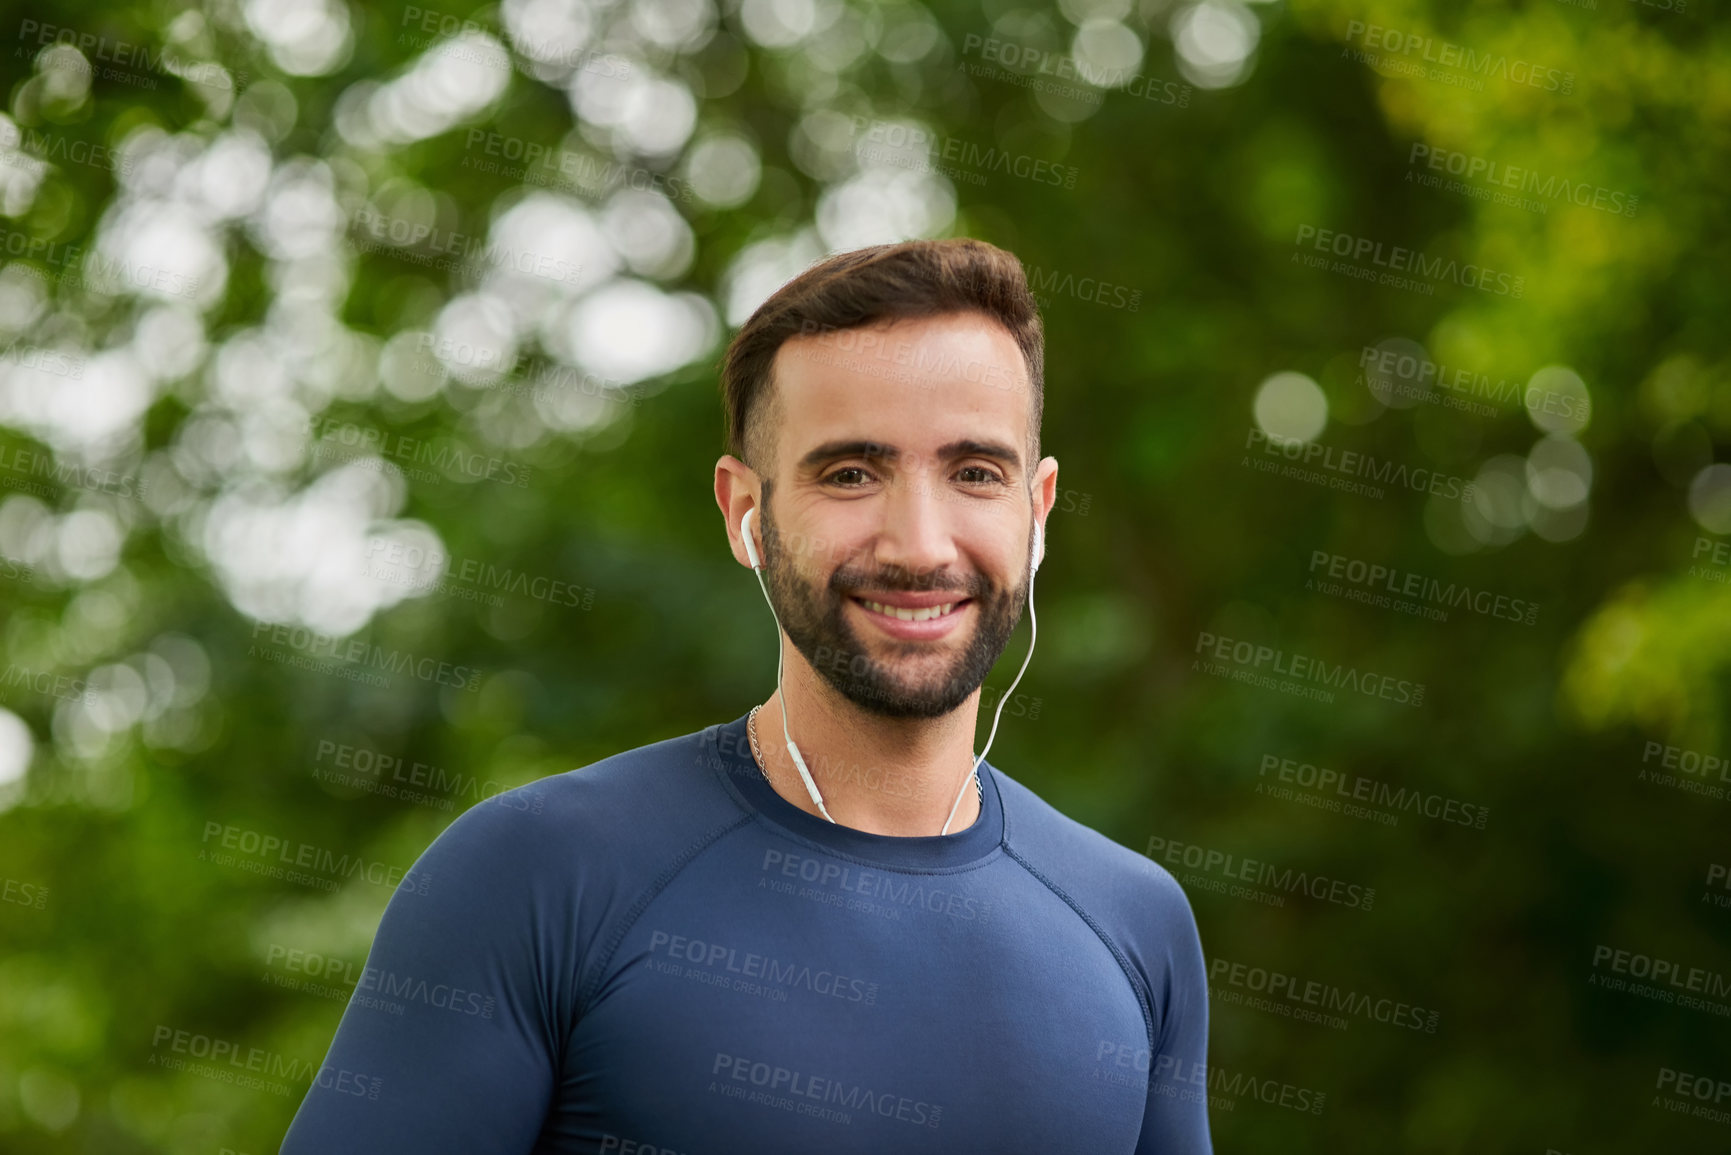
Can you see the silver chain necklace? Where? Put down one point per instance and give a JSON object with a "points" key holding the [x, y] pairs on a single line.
{"points": [[763, 767]]}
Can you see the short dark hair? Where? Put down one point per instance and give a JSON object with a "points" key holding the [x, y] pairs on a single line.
{"points": [[881, 283]]}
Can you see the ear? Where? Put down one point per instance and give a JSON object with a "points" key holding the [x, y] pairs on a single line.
{"points": [[1045, 495], [736, 493]]}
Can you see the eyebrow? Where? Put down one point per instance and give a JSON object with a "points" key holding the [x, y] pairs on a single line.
{"points": [[878, 451]]}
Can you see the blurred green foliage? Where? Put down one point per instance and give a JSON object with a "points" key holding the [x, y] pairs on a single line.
{"points": [[163, 720]]}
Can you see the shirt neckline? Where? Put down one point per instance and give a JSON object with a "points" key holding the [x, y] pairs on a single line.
{"points": [[730, 746]]}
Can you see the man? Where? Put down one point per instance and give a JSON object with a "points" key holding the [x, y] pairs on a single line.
{"points": [[685, 948]]}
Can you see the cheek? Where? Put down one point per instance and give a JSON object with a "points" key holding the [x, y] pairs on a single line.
{"points": [[1009, 559]]}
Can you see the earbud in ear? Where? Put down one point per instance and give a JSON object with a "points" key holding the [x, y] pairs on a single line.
{"points": [[745, 533], [1039, 547]]}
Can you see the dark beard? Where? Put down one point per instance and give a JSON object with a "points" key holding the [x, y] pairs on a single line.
{"points": [[816, 622]]}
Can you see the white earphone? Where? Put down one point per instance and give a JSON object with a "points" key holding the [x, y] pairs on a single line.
{"points": [[798, 761], [745, 532]]}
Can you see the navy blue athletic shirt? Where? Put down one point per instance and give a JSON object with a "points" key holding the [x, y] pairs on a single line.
{"points": [[657, 954]]}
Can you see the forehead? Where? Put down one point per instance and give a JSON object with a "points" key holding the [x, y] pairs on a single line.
{"points": [[913, 384]]}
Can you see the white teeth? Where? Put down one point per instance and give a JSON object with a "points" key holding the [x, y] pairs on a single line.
{"points": [[919, 615]]}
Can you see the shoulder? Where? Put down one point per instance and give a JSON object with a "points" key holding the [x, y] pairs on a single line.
{"points": [[543, 875], [627, 813], [1134, 898], [1132, 902]]}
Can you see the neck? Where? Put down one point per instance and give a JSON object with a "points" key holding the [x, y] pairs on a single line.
{"points": [[894, 776]]}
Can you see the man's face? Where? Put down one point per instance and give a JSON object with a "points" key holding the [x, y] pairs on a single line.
{"points": [[901, 480]]}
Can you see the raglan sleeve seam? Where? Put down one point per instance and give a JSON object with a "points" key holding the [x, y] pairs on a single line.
{"points": [[597, 970]]}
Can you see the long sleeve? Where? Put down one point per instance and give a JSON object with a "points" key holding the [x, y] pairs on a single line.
{"points": [[449, 1042], [1176, 1119]]}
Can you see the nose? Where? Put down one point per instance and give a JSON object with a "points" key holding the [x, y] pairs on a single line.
{"points": [[917, 534]]}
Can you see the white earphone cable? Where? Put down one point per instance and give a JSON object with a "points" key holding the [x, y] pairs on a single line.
{"points": [[798, 762], [1033, 636]]}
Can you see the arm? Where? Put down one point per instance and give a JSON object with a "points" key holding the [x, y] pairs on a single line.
{"points": [[1176, 1119], [448, 1044]]}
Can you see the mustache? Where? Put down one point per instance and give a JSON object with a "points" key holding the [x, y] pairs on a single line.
{"points": [[848, 582]]}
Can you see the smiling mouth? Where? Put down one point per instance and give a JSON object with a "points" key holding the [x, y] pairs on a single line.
{"points": [[922, 614]]}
